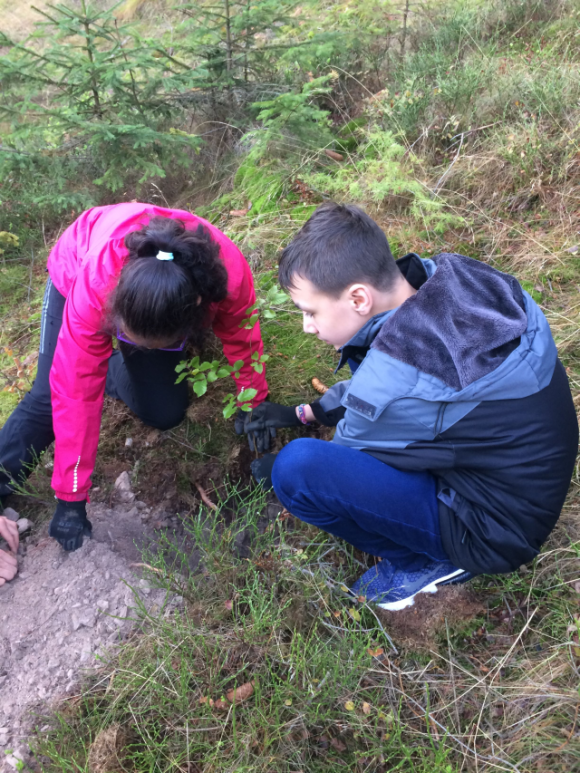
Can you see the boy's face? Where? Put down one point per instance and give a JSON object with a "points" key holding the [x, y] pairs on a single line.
{"points": [[333, 320]]}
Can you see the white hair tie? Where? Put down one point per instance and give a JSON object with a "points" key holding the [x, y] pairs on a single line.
{"points": [[164, 255]]}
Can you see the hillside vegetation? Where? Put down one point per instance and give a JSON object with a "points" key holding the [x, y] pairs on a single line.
{"points": [[456, 125]]}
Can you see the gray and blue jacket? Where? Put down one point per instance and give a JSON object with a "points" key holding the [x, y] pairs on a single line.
{"points": [[463, 380]]}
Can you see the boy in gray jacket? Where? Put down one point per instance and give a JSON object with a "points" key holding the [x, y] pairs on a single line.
{"points": [[456, 436]]}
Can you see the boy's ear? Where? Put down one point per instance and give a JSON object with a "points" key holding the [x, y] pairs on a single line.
{"points": [[360, 298]]}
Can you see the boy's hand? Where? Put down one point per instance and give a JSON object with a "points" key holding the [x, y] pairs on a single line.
{"points": [[261, 423], [8, 561], [70, 524], [259, 439]]}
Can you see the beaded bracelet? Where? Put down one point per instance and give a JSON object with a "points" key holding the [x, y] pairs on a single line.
{"points": [[302, 414]]}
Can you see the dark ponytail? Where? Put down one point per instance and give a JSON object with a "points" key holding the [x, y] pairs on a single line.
{"points": [[168, 299]]}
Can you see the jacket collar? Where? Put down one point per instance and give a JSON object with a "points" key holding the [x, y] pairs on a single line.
{"points": [[416, 271]]}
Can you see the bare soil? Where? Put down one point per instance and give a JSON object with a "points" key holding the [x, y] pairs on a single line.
{"points": [[64, 612]]}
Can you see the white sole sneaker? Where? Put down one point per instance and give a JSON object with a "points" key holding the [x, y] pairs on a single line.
{"points": [[409, 601]]}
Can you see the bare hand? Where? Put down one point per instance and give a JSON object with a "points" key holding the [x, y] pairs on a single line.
{"points": [[8, 561]]}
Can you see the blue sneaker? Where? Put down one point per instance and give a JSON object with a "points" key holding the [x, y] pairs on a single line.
{"points": [[393, 589]]}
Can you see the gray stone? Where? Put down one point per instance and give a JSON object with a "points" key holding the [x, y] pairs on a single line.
{"points": [[11, 514], [123, 482], [24, 525], [83, 617]]}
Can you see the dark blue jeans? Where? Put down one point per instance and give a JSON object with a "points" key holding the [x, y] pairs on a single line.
{"points": [[380, 510]]}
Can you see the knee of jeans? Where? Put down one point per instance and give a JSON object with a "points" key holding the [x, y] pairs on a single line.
{"points": [[293, 464]]}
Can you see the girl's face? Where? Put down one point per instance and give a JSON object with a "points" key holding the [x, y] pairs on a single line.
{"points": [[150, 343]]}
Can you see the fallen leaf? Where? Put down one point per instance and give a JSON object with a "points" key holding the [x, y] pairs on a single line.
{"points": [[207, 700], [239, 212], [333, 155], [375, 653], [349, 706], [288, 702], [319, 386], [355, 614], [229, 605], [241, 693], [366, 707], [337, 744]]}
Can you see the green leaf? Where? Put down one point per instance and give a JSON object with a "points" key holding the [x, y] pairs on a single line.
{"points": [[223, 372], [200, 388], [247, 394], [212, 376], [238, 365], [180, 378]]}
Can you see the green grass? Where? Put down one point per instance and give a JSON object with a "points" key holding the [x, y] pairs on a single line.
{"points": [[494, 689], [319, 701]]}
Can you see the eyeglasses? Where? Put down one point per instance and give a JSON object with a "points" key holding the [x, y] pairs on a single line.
{"points": [[177, 348]]}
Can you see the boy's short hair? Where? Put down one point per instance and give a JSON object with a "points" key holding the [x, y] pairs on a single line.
{"points": [[338, 246]]}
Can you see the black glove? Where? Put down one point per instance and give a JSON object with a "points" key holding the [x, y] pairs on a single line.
{"points": [[258, 440], [263, 421], [262, 470], [70, 524]]}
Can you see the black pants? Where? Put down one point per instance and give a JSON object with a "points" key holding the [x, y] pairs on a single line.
{"points": [[143, 378]]}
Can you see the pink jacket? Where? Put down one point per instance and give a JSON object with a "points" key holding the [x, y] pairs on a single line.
{"points": [[84, 265]]}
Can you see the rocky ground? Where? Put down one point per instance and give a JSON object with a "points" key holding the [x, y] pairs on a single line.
{"points": [[65, 611]]}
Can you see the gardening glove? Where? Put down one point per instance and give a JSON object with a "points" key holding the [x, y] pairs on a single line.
{"points": [[70, 524], [269, 417], [258, 440], [262, 470]]}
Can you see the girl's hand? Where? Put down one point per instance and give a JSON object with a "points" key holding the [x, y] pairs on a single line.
{"points": [[8, 561], [9, 532]]}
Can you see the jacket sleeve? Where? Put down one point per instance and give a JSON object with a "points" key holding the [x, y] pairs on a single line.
{"points": [[327, 409], [77, 381], [238, 342]]}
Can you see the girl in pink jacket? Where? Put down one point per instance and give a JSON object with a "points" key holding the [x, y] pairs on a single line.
{"points": [[155, 279]]}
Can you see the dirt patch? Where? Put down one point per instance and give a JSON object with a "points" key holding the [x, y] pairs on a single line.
{"points": [[422, 626], [64, 612]]}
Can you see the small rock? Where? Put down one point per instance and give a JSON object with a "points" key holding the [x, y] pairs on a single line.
{"points": [[123, 486], [123, 482], [24, 525], [11, 514], [83, 617], [129, 442], [15, 760]]}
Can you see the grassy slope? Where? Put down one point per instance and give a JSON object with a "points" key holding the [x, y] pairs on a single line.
{"points": [[488, 678]]}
